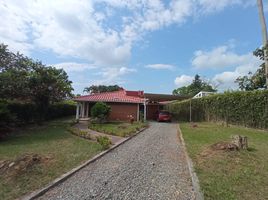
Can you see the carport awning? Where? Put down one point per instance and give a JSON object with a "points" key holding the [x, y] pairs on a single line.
{"points": [[164, 97]]}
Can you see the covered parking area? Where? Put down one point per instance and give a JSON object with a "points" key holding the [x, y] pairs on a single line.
{"points": [[155, 103]]}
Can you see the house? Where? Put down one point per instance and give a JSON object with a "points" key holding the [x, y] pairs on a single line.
{"points": [[125, 103], [203, 94]]}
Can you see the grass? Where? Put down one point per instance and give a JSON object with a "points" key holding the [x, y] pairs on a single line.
{"points": [[121, 129], [228, 175], [53, 140]]}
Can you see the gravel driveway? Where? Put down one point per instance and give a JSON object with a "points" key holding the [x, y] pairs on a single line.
{"points": [[151, 165]]}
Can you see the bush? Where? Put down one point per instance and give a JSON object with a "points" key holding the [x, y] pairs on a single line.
{"points": [[249, 108], [80, 133], [104, 141], [24, 113], [100, 111], [61, 109], [5, 114]]}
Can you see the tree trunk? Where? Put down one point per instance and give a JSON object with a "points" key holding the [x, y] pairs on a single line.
{"points": [[240, 141], [264, 38]]}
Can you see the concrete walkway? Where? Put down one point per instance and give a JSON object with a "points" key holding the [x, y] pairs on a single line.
{"points": [[151, 165]]}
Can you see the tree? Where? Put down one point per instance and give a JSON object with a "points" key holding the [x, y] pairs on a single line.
{"points": [[100, 111], [265, 38], [94, 89], [254, 81], [196, 86], [27, 80], [48, 85]]}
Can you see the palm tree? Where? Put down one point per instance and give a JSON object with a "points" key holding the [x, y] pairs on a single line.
{"points": [[264, 38]]}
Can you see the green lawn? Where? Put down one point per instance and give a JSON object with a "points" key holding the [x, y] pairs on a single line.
{"points": [[122, 129], [228, 175], [65, 150]]}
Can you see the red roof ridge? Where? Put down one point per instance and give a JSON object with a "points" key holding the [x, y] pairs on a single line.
{"points": [[101, 93], [113, 96]]}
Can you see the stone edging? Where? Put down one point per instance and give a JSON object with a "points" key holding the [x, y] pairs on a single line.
{"points": [[65, 176], [197, 192]]}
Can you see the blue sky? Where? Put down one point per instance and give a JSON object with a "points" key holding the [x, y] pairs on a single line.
{"points": [[149, 45]]}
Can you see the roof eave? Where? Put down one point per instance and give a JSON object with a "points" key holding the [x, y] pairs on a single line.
{"points": [[134, 102]]}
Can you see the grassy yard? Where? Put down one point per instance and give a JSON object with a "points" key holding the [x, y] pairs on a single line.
{"points": [[63, 150], [228, 175], [122, 129]]}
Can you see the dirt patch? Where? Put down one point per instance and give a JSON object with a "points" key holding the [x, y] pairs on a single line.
{"points": [[217, 149], [193, 125], [224, 146], [13, 168]]}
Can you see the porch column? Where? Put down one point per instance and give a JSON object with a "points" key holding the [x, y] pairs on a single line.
{"points": [[83, 109], [87, 109], [77, 111], [138, 112], [145, 110]]}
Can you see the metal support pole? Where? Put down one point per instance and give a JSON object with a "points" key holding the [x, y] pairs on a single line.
{"points": [[145, 112], [264, 38], [190, 110]]}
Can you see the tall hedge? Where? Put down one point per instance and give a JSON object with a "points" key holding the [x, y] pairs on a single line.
{"points": [[23, 113], [249, 109]]}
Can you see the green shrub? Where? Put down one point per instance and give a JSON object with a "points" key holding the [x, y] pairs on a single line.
{"points": [[100, 111], [78, 132], [249, 109], [61, 109], [104, 141], [24, 112], [5, 114], [74, 131]]}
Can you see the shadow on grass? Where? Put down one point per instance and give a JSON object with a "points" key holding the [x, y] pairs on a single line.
{"points": [[251, 149], [53, 130]]}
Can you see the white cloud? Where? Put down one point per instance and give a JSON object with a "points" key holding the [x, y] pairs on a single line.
{"points": [[226, 79], [68, 28], [79, 28], [209, 6], [220, 57], [113, 75], [160, 66], [183, 80], [74, 67], [125, 70]]}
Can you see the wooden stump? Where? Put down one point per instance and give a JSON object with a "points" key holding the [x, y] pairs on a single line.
{"points": [[240, 141]]}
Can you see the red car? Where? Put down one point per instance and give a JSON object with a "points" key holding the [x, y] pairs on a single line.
{"points": [[164, 116]]}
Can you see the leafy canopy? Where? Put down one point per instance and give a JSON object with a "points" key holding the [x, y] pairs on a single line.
{"points": [[94, 89], [254, 81], [100, 111], [196, 86], [26, 80]]}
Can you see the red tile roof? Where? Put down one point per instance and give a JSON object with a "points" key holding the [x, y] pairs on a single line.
{"points": [[122, 96]]}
